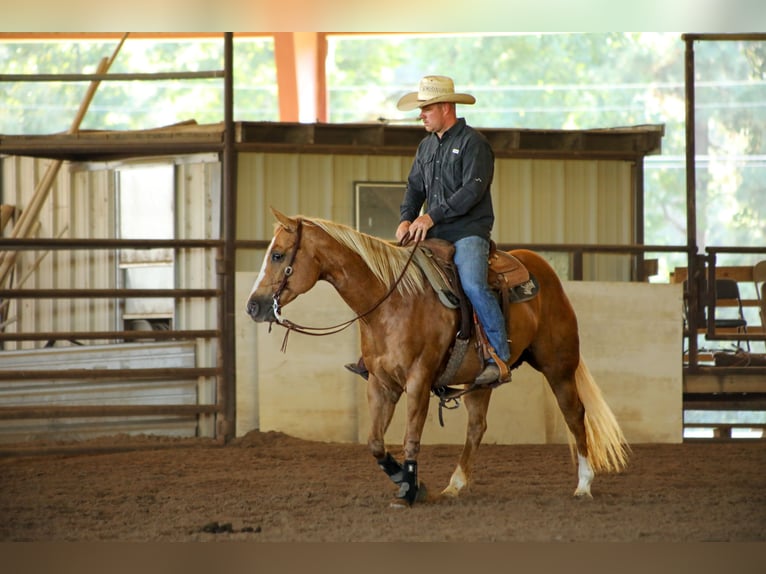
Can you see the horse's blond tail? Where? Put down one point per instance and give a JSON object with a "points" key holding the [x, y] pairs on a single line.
{"points": [[607, 448]]}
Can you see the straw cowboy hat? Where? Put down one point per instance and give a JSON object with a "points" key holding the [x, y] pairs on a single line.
{"points": [[432, 90]]}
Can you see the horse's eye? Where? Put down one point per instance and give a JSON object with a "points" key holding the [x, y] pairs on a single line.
{"points": [[277, 257]]}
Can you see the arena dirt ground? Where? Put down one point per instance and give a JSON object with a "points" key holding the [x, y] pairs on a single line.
{"points": [[268, 487]]}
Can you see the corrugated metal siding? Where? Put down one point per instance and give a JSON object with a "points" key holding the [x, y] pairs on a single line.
{"points": [[82, 205], [64, 392], [536, 201], [567, 201], [92, 215], [308, 184], [78, 205], [198, 216]]}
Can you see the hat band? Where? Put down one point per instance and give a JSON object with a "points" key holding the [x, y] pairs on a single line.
{"points": [[430, 92]]}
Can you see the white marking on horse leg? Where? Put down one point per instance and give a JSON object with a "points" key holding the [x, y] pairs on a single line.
{"points": [[262, 272], [457, 482], [585, 476]]}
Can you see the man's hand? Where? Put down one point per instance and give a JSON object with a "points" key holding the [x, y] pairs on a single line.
{"points": [[419, 228], [402, 231]]}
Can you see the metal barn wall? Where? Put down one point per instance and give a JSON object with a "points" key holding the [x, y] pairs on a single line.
{"points": [[198, 216], [536, 200], [81, 204], [66, 392], [307, 184], [567, 201]]}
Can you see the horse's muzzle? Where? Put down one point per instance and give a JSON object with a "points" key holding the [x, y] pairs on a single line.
{"points": [[260, 310]]}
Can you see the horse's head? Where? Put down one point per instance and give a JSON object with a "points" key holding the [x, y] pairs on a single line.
{"points": [[286, 271]]}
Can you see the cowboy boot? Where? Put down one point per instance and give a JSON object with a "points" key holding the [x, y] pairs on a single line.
{"points": [[491, 375]]}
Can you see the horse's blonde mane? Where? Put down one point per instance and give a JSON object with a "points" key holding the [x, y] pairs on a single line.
{"points": [[386, 261]]}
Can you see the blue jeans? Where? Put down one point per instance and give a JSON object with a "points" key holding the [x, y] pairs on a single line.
{"points": [[471, 255]]}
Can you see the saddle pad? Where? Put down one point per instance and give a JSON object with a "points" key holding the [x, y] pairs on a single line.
{"points": [[443, 251], [434, 271]]}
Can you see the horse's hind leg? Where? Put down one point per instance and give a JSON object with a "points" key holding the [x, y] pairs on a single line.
{"points": [[476, 403], [565, 390]]}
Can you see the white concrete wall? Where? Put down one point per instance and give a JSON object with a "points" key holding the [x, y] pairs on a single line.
{"points": [[630, 336]]}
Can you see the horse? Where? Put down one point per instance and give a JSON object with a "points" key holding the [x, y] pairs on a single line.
{"points": [[406, 333]]}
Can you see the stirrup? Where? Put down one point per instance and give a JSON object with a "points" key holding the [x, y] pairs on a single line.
{"points": [[492, 380], [358, 368], [489, 375]]}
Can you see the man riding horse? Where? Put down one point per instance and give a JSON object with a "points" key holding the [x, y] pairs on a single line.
{"points": [[450, 183]]}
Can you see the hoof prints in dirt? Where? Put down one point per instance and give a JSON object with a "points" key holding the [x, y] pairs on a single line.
{"points": [[217, 528]]}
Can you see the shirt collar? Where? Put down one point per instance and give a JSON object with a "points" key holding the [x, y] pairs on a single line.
{"points": [[456, 128]]}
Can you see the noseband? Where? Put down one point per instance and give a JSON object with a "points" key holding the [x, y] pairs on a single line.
{"points": [[319, 331]]}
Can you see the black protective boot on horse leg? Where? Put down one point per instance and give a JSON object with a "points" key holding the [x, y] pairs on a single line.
{"points": [[406, 478], [408, 488], [392, 468]]}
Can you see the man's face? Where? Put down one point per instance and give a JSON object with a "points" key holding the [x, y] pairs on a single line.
{"points": [[434, 117]]}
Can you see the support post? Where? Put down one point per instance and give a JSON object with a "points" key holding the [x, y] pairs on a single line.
{"points": [[227, 388], [691, 205]]}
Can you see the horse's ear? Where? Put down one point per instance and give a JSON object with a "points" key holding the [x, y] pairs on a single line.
{"points": [[287, 222]]}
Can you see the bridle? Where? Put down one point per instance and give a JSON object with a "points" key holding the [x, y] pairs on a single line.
{"points": [[288, 271], [332, 329]]}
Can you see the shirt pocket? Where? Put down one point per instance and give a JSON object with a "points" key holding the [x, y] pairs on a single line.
{"points": [[427, 167]]}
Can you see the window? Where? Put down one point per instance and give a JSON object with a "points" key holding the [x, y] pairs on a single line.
{"points": [[146, 210]]}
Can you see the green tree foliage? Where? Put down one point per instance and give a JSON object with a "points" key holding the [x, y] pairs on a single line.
{"points": [[731, 118], [37, 108]]}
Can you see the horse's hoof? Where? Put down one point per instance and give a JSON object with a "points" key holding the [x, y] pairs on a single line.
{"points": [[420, 496], [450, 492], [583, 495]]}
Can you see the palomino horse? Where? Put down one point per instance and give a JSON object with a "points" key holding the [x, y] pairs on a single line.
{"points": [[406, 334]]}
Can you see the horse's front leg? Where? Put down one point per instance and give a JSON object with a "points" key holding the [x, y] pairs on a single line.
{"points": [[476, 403], [381, 401], [410, 488]]}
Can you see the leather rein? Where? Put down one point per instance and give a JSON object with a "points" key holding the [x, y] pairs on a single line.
{"points": [[332, 329]]}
